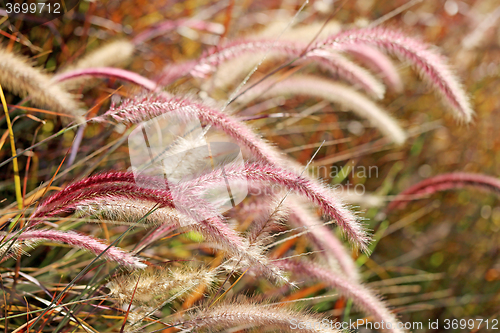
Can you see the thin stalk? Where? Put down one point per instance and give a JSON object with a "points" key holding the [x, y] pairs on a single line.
{"points": [[53, 136], [15, 166]]}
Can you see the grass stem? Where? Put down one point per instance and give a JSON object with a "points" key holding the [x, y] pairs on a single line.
{"points": [[15, 166]]}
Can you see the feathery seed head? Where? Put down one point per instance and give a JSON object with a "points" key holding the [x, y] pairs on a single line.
{"points": [[153, 286], [430, 65], [18, 76]]}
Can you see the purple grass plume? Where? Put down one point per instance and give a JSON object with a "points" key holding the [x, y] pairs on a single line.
{"points": [[448, 181], [81, 241], [107, 72], [361, 296], [430, 65]]}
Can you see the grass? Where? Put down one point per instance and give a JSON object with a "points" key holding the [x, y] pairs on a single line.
{"points": [[281, 254]]}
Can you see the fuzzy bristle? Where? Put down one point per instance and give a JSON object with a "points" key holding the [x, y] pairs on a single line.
{"points": [[430, 65], [229, 315], [81, 241], [362, 297], [20, 77], [153, 286]]}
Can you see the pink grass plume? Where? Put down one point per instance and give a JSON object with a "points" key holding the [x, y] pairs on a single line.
{"points": [[148, 107], [362, 297], [430, 65], [324, 239], [107, 72], [448, 181], [258, 173], [194, 212], [81, 241]]}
